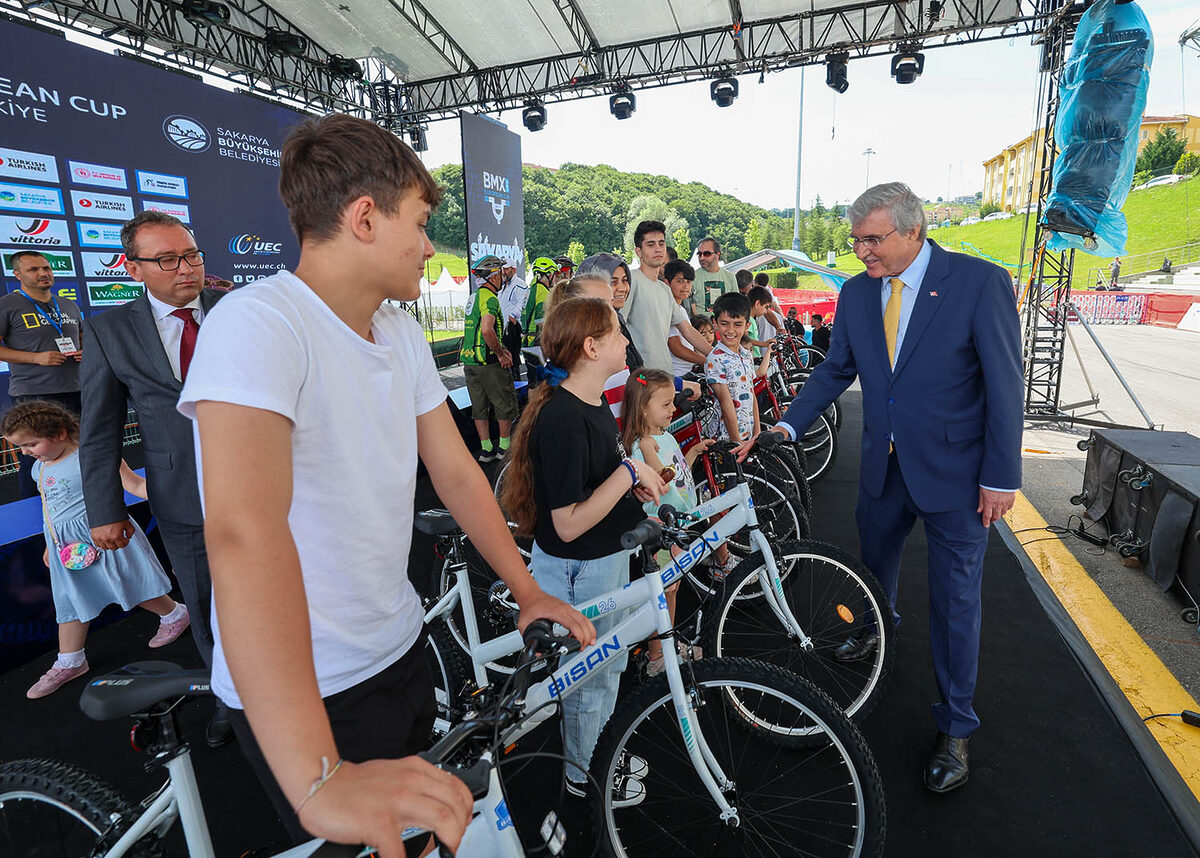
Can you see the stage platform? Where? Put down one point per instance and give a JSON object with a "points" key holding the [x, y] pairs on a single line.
{"points": [[1052, 770]]}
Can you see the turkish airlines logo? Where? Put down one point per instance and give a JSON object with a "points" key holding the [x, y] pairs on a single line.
{"points": [[85, 203]]}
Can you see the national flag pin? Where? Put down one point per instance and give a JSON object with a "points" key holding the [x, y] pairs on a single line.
{"points": [[933, 294]]}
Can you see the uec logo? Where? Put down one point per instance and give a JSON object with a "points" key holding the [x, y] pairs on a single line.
{"points": [[186, 133], [246, 243]]}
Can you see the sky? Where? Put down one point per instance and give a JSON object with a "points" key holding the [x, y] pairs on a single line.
{"points": [[971, 101]]}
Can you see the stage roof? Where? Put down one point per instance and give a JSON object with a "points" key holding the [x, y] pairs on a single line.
{"points": [[437, 56]]}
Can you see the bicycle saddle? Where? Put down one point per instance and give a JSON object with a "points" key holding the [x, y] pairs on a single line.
{"points": [[137, 687], [436, 522]]}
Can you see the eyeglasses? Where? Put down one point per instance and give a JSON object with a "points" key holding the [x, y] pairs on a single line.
{"points": [[170, 262], [706, 253], [870, 242]]}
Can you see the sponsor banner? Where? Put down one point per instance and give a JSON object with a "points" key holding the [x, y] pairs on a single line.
{"points": [[28, 165], [62, 264], [492, 185], [110, 294], [96, 174], [95, 234], [28, 198], [162, 184], [66, 290], [254, 245], [104, 265], [106, 206], [34, 231], [178, 209]]}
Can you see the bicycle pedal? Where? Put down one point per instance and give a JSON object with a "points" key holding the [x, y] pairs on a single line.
{"points": [[553, 833]]}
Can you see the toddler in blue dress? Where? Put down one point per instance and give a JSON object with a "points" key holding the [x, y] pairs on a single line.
{"points": [[91, 579]]}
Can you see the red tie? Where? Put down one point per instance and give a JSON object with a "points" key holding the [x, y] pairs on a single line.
{"points": [[187, 344]]}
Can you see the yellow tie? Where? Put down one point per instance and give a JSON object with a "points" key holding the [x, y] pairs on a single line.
{"points": [[891, 318], [891, 328]]}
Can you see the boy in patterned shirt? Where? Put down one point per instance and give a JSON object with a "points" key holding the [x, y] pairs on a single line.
{"points": [[730, 369]]}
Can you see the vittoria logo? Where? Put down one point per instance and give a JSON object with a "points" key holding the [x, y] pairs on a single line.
{"points": [[40, 232]]}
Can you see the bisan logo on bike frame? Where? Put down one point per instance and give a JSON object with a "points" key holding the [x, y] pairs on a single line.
{"points": [[603, 651]]}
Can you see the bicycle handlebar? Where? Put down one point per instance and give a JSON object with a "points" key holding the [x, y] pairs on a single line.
{"points": [[645, 532], [540, 642]]}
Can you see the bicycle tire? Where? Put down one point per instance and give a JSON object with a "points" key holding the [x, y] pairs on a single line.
{"points": [[451, 679], [820, 795], [820, 447], [833, 596], [51, 808]]}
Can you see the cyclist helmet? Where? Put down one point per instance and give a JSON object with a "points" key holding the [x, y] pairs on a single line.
{"points": [[487, 266], [565, 264], [544, 265]]}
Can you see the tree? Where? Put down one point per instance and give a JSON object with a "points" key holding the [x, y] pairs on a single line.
{"points": [[1188, 164], [818, 239], [650, 207], [575, 252], [1161, 152], [988, 208], [755, 238], [840, 238], [682, 241]]}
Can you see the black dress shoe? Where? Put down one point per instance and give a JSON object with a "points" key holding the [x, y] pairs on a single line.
{"points": [[219, 730], [857, 647], [948, 764]]}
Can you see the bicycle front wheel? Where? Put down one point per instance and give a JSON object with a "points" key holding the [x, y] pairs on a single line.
{"points": [[818, 797], [833, 596], [50, 809]]}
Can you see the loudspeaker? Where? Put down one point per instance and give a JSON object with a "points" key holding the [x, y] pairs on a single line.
{"points": [[1144, 486]]}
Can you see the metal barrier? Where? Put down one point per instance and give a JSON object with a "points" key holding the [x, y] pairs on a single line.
{"points": [[8, 454], [1109, 308]]}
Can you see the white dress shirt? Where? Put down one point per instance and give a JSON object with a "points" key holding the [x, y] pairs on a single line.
{"points": [[512, 300], [170, 328]]}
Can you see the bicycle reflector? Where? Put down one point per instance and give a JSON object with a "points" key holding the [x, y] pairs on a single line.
{"points": [[845, 613]]}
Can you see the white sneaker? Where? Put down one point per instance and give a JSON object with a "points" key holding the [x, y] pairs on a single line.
{"points": [[627, 791]]}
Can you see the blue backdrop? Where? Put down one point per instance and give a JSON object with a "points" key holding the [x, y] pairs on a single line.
{"points": [[87, 140]]}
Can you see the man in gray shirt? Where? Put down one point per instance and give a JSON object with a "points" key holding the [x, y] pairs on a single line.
{"points": [[650, 309], [712, 281], [39, 339]]}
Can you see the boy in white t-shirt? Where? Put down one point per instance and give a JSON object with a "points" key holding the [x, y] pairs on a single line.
{"points": [[312, 400]]}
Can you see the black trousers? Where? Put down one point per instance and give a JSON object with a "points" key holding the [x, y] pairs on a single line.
{"points": [[387, 716], [72, 402], [512, 342], [189, 562]]}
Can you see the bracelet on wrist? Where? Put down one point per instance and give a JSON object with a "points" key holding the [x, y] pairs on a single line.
{"points": [[633, 474], [326, 774]]}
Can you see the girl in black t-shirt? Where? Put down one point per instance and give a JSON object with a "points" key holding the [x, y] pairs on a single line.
{"points": [[572, 486]]}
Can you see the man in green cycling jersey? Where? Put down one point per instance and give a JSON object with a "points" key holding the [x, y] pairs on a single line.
{"points": [[486, 362]]}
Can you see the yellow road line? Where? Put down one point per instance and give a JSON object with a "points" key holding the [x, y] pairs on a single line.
{"points": [[1137, 670]]}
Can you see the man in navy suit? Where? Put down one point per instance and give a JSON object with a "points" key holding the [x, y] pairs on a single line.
{"points": [[935, 341]]}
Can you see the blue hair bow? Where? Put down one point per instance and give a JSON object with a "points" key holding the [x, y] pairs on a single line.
{"points": [[552, 374]]}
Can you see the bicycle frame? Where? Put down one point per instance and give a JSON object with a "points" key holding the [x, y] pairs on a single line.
{"points": [[647, 600]]}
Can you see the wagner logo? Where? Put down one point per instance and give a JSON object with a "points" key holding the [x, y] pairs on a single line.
{"points": [[244, 244], [496, 192], [186, 133]]}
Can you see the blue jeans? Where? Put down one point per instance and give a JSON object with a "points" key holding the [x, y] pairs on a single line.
{"points": [[586, 711]]}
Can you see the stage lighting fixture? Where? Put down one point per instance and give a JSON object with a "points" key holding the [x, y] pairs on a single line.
{"points": [[622, 105], [285, 42], [908, 64], [339, 66], [533, 116], [416, 138], [724, 91], [206, 13], [935, 11], [835, 72]]}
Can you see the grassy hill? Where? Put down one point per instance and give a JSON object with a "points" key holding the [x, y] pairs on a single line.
{"points": [[1158, 218]]}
